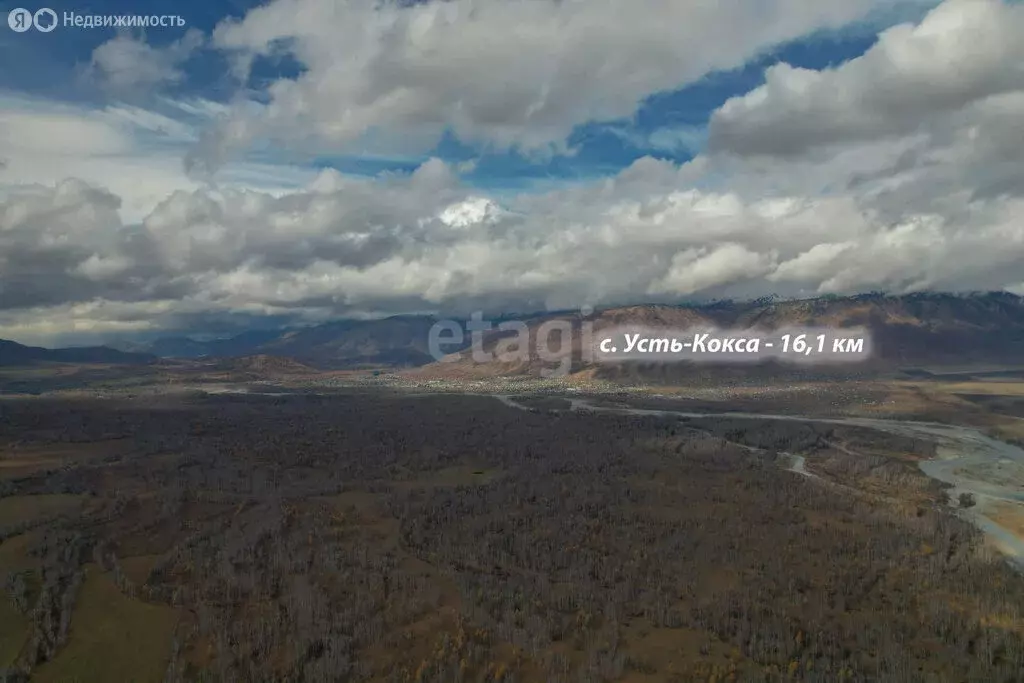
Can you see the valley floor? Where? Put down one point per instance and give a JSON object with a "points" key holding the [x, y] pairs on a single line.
{"points": [[279, 532]]}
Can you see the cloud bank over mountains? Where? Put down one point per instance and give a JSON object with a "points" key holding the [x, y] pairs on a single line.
{"points": [[900, 169]]}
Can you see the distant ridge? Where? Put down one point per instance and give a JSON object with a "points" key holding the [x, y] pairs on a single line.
{"points": [[399, 341], [13, 353], [909, 329]]}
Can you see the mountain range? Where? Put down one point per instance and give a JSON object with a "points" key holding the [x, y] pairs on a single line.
{"points": [[914, 329], [13, 353], [906, 331], [399, 341]]}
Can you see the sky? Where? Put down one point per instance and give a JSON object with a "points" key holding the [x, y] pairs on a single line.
{"points": [[300, 161]]}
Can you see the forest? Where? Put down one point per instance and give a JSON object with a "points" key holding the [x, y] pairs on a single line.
{"points": [[368, 536]]}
